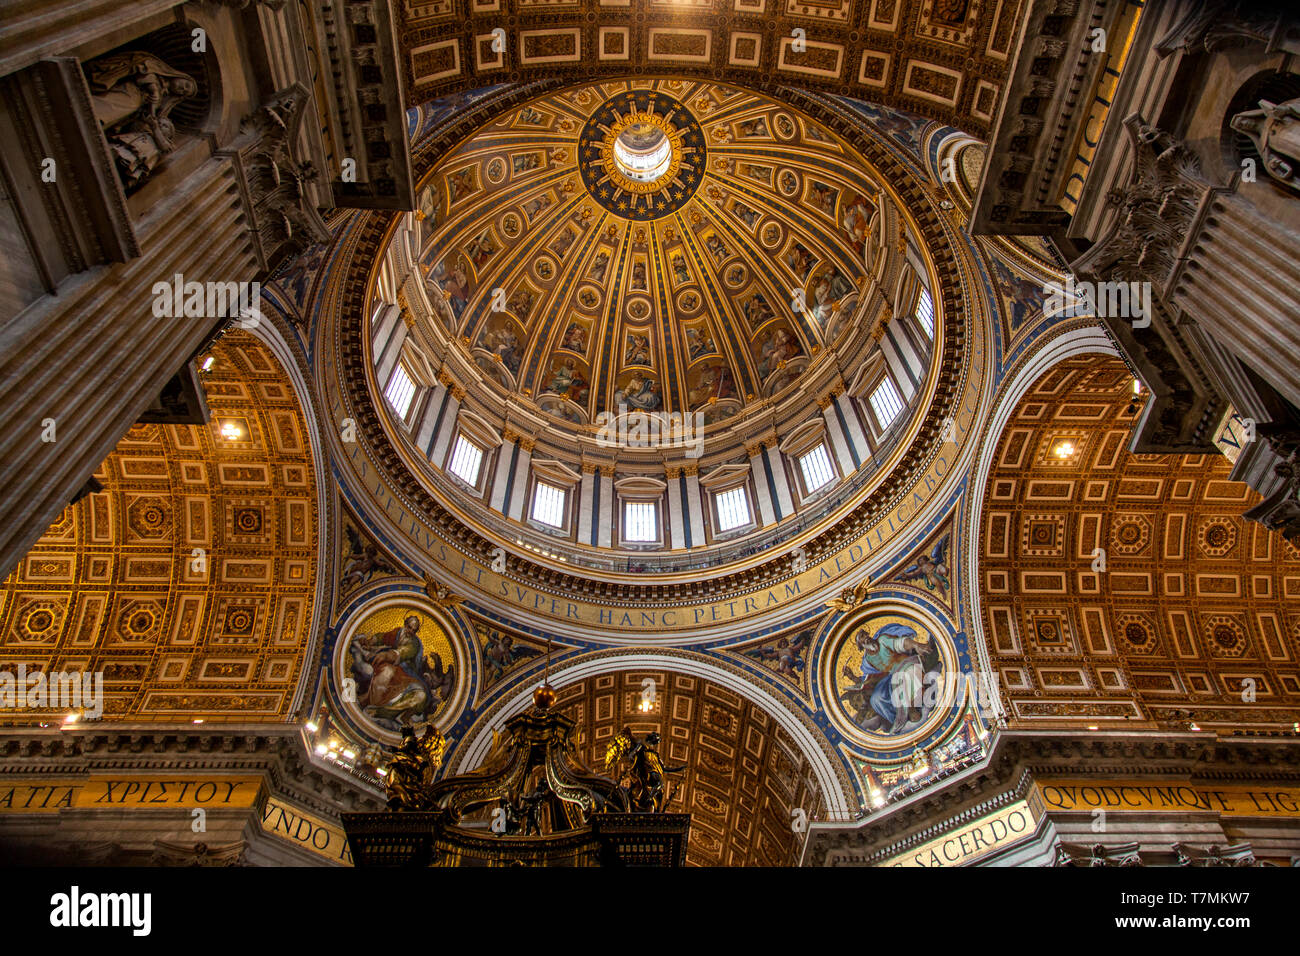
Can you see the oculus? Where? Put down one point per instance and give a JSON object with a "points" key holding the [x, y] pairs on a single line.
{"points": [[642, 155]]}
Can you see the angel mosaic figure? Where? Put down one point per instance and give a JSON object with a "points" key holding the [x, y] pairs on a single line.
{"points": [[931, 568], [786, 653], [500, 653], [361, 562]]}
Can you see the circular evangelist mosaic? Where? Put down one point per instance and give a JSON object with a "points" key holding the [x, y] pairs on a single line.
{"points": [[397, 668], [642, 155], [891, 676]]}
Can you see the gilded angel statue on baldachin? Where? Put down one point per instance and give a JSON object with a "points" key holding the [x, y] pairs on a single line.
{"points": [[411, 770]]}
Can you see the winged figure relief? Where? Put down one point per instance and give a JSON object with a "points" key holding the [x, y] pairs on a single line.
{"points": [[850, 597]]}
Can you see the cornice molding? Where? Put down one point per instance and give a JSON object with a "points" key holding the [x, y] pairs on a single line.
{"points": [[1017, 757], [278, 752]]}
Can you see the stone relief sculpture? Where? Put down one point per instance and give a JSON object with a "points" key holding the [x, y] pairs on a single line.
{"points": [[133, 94], [1274, 128]]}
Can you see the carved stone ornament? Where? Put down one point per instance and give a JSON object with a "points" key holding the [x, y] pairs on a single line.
{"points": [[1157, 209], [275, 5], [1097, 854], [1280, 511], [1214, 25], [133, 94], [1274, 128], [285, 219], [1240, 854]]}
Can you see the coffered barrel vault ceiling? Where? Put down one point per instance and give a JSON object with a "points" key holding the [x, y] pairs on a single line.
{"points": [[700, 291], [943, 59], [1196, 614], [741, 778], [190, 581]]}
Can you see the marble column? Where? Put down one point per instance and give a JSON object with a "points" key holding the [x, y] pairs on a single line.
{"points": [[390, 334], [587, 505], [902, 359], [693, 503], [836, 437], [519, 483], [436, 418], [676, 517], [762, 486], [780, 482], [501, 478], [605, 512]]}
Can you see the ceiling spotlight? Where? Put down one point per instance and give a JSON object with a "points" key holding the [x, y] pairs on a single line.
{"points": [[1194, 726], [322, 750], [198, 720], [1137, 387], [1063, 449], [208, 363], [231, 431], [70, 718], [312, 726]]}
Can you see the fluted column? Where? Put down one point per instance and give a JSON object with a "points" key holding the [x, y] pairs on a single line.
{"points": [[92, 358], [1242, 285]]}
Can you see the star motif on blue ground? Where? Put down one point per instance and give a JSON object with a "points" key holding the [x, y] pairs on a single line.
{"points": [[658, 203]]}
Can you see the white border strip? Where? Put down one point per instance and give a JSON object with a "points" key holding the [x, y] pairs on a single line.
{"points": [[836, 802], [270, 335], [1084, 340]]}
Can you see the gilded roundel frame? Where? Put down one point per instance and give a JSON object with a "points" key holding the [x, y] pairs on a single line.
{"points": [[633, 199], [858, 717], [437, 632]]}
